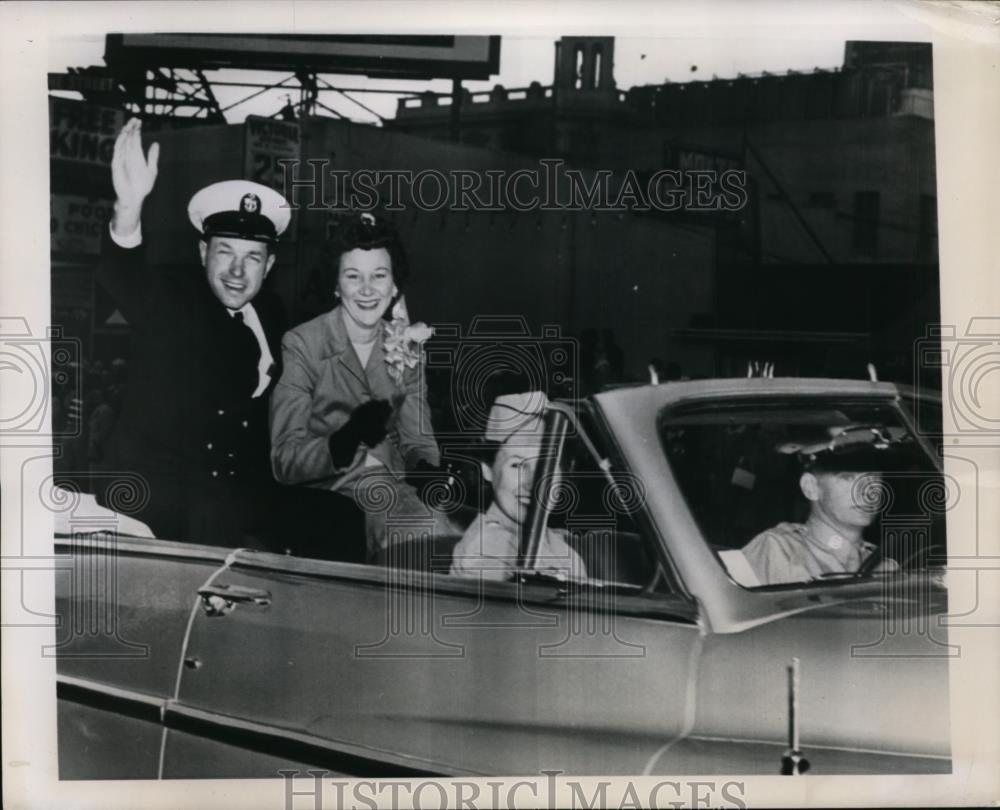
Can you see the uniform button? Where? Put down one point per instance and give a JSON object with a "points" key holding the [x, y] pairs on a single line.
{"points": [[221, 412], [231, 455], [246, 423], [215, 473], [232, 472], [209, 445]]}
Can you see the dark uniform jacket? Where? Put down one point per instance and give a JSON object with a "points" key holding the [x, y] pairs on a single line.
{"points": [[189, 425]]}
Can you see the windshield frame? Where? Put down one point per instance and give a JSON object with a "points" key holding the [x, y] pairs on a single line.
{"points": [[563, 422]]}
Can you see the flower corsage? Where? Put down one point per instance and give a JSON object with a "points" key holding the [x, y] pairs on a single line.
{"points": [[404, 346]]}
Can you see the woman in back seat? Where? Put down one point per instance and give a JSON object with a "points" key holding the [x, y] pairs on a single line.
{"points": [[489, 548]]}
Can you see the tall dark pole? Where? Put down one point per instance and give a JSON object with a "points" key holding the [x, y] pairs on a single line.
{"points": [[554, 107], [456, 110], [786, 198], [305, 113]]}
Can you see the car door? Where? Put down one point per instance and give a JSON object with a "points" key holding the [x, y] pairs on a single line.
{"points": [[123, 607], [387, 670], [870, 652]]}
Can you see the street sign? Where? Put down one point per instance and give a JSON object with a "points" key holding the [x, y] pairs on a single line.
{"points": [[267, 141], [82, 83], [83, 133]]}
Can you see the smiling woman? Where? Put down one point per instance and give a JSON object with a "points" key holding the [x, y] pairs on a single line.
{"points": [[344, 416]]}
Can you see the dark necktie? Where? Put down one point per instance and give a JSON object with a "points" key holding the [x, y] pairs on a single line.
{"points": [[249, 333], [249, 347]]}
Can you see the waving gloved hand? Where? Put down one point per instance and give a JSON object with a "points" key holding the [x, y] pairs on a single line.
{"points": [[368, 425]]}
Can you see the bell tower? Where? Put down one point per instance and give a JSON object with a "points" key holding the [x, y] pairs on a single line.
{"points": [[585, 65]]}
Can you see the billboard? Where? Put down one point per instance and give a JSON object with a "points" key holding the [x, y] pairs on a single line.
{"points": [[76, 223], [403, 57], [83, 133], [265, 143]]}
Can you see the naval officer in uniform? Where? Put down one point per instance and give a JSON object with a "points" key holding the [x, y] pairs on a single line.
{"points": [[205, 347]]}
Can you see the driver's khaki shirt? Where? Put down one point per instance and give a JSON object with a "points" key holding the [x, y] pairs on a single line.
{"points": [[789, 553]]}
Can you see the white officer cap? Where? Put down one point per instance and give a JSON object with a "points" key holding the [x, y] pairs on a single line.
{"points": [[517, 415], [241, 209]]}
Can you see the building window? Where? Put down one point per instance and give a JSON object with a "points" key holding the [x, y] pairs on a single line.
{"points": [[578, 83], [598, 58], [821, 199], [866, 222]]}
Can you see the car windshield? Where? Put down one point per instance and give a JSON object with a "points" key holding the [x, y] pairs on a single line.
{"points": [[802, 490]]}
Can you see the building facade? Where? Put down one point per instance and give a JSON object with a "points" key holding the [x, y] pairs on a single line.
{"points": [[833, 262]]}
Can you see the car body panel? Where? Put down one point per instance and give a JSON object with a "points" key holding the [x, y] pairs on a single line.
{"points": [[742, 756], [860, 686], [379, 671], [394, 690], [102, 738], [125, 609]]}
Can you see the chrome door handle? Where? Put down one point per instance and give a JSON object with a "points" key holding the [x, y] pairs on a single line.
{"points": [[218, 600]]}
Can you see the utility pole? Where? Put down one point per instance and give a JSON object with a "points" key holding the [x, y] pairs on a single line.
{"points": [[456, 110]]}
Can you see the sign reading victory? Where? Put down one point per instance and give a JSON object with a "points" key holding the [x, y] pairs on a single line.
{"points": [[266, 142]]}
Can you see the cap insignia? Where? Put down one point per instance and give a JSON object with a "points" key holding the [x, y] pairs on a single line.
{"points": [[250, 204]]}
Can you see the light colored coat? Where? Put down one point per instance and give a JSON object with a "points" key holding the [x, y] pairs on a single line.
{"points": [[321, 383], [489, 549]]}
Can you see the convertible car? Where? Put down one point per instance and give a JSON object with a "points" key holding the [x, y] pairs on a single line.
{"points": [[671, 656]]}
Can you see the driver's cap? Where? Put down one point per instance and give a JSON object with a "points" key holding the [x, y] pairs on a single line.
{"points": [[851, 448]]}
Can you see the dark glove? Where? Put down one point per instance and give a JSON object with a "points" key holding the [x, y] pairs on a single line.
{"points": [[368, 424]]}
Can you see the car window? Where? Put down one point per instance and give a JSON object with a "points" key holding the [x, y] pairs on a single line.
{"points": [[741, 468], [596, 509]]}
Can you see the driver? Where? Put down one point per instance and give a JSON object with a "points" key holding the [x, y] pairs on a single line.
{"points": [[842, 482], [490, 546]]}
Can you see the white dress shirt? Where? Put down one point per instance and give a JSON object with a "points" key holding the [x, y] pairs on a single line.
{"points": [[252, 320]]}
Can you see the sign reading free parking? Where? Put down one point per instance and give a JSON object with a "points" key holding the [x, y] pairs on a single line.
{"points": [[83, 133]]}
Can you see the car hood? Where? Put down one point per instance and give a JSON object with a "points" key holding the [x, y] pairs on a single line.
{"points": [[873, 674]]}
